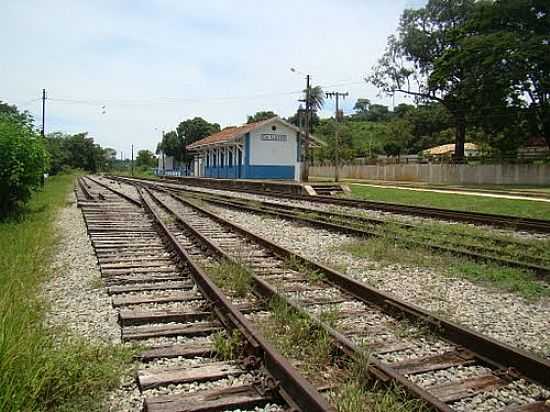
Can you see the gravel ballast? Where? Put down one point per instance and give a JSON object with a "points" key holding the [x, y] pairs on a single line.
{"points": [[76, 293], [501, 315]]}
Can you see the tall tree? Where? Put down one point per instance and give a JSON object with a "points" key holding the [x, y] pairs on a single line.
{"points": [[145, 158], [259, 116], [316, 98], [361, 105], [512, 38], [13, 112], [170, 145], [414, 62], [190, 131]]}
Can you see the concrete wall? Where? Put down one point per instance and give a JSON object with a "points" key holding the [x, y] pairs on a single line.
{"points": [[524, 174], [270, 147]]}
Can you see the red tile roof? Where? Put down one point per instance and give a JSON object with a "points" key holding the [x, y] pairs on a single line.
{"points": [[228, 134]]}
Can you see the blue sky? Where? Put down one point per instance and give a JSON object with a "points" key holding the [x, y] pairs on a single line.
{"points": [[155, 63]]}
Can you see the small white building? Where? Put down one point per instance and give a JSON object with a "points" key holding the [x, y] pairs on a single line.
{"points": [[268, 149]]}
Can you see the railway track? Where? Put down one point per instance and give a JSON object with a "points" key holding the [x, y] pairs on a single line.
{"points": [[169, 305], [510, 222], [448, 366], [506, 252]]}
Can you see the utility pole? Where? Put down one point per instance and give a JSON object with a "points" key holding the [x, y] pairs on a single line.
{"points": [[163, 166], [132, 164], [305, 165], [43, 111], [337, 117]]}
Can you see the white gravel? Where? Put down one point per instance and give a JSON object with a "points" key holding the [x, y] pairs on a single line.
{"points": [[76, 293], [501, 315], [376, 214]]}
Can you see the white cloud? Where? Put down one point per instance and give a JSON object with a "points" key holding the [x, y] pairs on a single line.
{"points": [[131, 55]]}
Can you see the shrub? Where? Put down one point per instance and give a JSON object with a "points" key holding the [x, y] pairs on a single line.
{"points": [[22, 163]]}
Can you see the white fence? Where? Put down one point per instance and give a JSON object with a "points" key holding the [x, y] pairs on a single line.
{"points": [[518, 174]]}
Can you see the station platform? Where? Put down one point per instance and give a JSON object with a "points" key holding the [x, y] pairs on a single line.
{"points": [[286, 186]]}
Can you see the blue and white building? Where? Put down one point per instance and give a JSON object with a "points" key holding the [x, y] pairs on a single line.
{"points": [[269, 149]]}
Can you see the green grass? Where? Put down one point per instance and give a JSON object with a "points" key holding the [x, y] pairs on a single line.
{"points": [[228, 347], [387, 251], [523, 208], [41, 368], [232, 277], [296, 336]]}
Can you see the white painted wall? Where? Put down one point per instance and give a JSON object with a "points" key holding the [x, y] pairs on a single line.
{"points": [[168, 162], [273, 153]]}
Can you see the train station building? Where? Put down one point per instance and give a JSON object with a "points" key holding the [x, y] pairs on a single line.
{"points": [[268, 149]]}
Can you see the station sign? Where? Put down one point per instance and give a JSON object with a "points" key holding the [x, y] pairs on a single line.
{"points": [[270, 137]]}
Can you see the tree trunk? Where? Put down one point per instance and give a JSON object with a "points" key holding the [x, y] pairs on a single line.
{"points": [[460, 137]]}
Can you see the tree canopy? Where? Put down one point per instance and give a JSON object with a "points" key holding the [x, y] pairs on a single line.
{"points": [[188, 131], [486, 62], [146, 159], [259, 116]]}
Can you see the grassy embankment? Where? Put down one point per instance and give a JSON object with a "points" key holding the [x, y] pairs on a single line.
{"points": [[387, 251], [41, 368], [523, 208]]}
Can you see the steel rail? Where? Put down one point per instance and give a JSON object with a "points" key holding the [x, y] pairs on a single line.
{"points": [[265, 387], [347, 229], [117, 192], [452, 248], [87, 194], [382, 372], [495, 353], [362, 219], [368, 220], [294, 388], [458, 250], [518, 223]]}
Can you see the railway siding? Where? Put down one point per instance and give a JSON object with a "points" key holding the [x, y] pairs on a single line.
{"points": [[169, 306], [333, 297]]}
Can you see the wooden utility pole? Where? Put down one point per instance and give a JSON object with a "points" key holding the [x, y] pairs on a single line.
{"points": [[43, 112], [163, 165], [132, 172], [337, 118], [305, 164]]}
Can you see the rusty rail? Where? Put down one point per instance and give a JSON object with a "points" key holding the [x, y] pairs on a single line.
{"points": [[495, 353], [518, 223], [293, 387]]}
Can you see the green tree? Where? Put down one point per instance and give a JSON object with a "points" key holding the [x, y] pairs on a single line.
{"points": [[259, 116], [76, 151], [361, 105], [59, 155], [191, 130], [23, 160], [170, 145], [326, 131], [13, 112], [367, 111], [146, 158], [402, 109], [414, 62], [316, 98], [427, 121], [298, 119], [512, 39]]}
